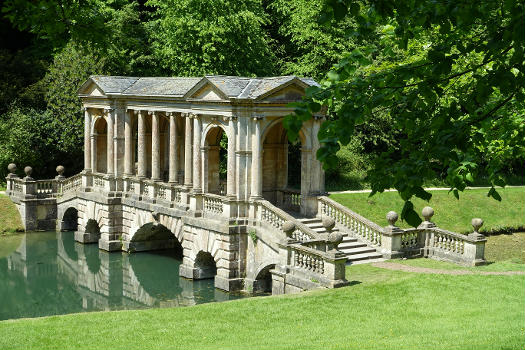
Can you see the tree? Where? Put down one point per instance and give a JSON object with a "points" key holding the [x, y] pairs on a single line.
{"points": [[194, 38], [450, 76]]}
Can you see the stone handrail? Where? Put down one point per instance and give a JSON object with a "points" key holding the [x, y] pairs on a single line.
{"points": [[307, 258], [273, 216], [70, 184], [14, 185], [360, 226], [212, 203], [99, 181]]}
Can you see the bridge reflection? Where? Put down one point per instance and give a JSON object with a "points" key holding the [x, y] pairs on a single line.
{"points": [[49, 273]]}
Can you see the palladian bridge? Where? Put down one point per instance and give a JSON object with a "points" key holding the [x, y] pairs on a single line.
{"points": [[202, 165]]}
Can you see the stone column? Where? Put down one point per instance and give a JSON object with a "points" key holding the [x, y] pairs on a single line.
{"points": [[187, 151], [141, 144], [155, 147], [87, 139], [256, 185], [94, 137], [230, 177], [128, 144], [173, 168], [110, 148], [197, 169]]}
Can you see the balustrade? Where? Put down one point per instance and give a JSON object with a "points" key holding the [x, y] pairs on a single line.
{"points": [[45, 187], [212, 204], [355, 223]]}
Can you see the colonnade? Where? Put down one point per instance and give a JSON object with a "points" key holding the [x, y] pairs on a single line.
{"points": [[193, 154]]}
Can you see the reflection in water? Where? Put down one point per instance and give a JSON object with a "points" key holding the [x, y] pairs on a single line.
{"points": [[49, 273]]}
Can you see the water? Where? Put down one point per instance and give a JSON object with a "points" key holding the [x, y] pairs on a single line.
{"points": [[48, 273]]}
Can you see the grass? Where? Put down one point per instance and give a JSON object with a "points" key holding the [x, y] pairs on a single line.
{"points": [[382, 310], [10, 221], [450, 213]]}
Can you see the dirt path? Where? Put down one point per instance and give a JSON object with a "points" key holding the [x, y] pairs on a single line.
{"points": [[406, 268]]}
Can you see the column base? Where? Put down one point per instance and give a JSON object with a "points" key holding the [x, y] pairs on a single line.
{"points": [[86, 237], [229, 284], [109, 246]]}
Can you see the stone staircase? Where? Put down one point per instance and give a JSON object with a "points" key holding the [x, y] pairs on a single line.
{"points": [[356, 251]]}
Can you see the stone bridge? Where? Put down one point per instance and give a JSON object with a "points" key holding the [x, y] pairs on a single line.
{"points": [[204, 165]]}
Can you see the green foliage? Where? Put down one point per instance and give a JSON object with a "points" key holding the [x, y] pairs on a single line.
{"points": [[352, 165], [194, 38], [253, 236], [303, 46], [70, 69], [451, 83], [26, 139]]}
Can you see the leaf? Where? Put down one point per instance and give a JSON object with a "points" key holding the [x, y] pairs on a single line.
{"points": [[409, 214]]}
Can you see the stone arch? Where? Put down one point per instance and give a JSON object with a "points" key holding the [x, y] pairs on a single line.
{"points": [[153, 235], [215, 158], [278, 166], [263, 279], [69, 220], [205, 265]]}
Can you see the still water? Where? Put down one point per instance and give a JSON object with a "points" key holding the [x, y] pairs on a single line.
{"points": [[48, 273]]}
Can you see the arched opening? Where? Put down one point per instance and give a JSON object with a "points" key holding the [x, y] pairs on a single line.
{"points": [[282, 168], [215, 161], [92, 227], [153, 236], [100, 132], [70, 220], [263, 281], [205, 265]]}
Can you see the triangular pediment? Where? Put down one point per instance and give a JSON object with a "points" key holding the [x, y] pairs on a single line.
{"points": [[206, 90], [293, 90], [90, 88]]}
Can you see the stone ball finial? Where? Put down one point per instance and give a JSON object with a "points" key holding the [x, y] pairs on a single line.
{"points": [[392, 217], [60, 170], [12, 168], [427, 213], [477, 223], [288, 228], [28, 171], [328, 223], [335, 238]]}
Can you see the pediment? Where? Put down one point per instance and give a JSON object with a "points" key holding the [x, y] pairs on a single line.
{"points": [[292, 90], [90, 89], [207, 91], [289, 93]]}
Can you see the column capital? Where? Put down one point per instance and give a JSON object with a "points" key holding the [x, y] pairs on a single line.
{"points": [[256, 118], [108, 110], [230, 118], [85, 109], [152, 112], [169, 114]]}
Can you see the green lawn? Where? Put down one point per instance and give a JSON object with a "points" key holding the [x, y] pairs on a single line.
{"points": [[382, 310], [450, 213], [9, 216]]}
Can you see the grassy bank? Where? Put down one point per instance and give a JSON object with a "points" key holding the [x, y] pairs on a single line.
{"points": [[10, 221], [450, 213], [382, 310]]}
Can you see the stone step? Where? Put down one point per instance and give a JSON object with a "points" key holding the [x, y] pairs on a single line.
{"points": [[358, 250], [365, 256], [365, 261], [309, 220], [350, 245]]}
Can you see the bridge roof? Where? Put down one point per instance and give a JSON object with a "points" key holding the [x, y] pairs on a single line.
{"points": [[231, 87]]}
